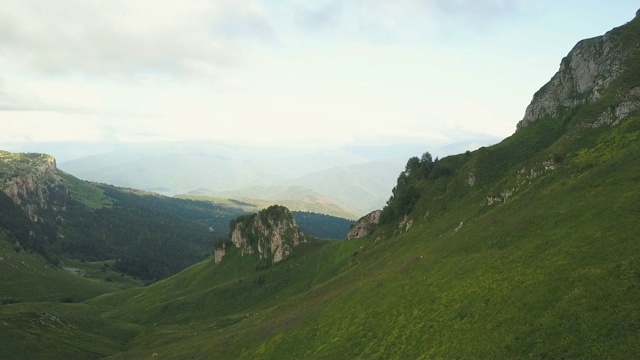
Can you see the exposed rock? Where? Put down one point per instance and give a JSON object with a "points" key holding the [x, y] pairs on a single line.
{"points": [[272, 233], [549, 165], [584, 75], [406, 223], [31, 181], [365, 225], [504, 196], [471, 180], [219, 253]]}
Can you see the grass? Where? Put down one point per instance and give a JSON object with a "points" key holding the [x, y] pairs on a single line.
{"points": [[27, 277], [40, 311], [91, 196], [60, 331], [553, 272]]}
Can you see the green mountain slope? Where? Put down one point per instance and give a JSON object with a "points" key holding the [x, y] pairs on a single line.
{"points": [[553, 272]]}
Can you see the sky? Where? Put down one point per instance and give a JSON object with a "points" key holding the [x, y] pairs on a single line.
{"points": [[282, 71]]}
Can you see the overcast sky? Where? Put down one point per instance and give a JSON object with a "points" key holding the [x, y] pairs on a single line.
{"points": [[282, 71]]}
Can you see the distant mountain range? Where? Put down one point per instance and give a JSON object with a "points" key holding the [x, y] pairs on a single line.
{"points": [[355, 178]]}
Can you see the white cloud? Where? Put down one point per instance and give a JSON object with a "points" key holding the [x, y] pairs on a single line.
{"points": [[171, 37], [36, 126]]}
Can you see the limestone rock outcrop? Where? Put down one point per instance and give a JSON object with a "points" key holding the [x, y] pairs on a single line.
{"points": [[586, 74], [31, 181], [272, 233], [365, 225]]}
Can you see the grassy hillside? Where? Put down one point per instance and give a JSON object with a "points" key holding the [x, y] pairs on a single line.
{"points": [[33, 291], [29, 277], [553, 272]]}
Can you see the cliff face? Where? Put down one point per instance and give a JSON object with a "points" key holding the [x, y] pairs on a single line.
{"points": [[365, 225], [272, 233], [587, 74], [30, 180]]}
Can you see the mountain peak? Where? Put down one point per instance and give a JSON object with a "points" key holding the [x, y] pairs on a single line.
{"points": [[589, 73]]}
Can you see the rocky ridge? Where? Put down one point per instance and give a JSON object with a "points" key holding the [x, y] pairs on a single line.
{"points": [[585, 76], [31, 181]]}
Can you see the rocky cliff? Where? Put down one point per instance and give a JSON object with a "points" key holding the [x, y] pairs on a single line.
{"points": [[272, 233], [593, 69], [31, 181], [365, 225]]}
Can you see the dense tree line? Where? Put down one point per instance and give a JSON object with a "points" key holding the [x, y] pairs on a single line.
{"points": [[149, 235], [407, 191]]}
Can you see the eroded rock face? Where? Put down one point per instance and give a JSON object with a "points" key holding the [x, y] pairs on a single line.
{"points": [[365, 225], [584, 75], [34, 184], [272, 233]]}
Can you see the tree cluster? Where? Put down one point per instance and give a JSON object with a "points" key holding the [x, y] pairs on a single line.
{"points": [[406, 193]]}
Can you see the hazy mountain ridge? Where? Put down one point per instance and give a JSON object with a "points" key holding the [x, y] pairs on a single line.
{"points": [[338, 175], [295, 198]]}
